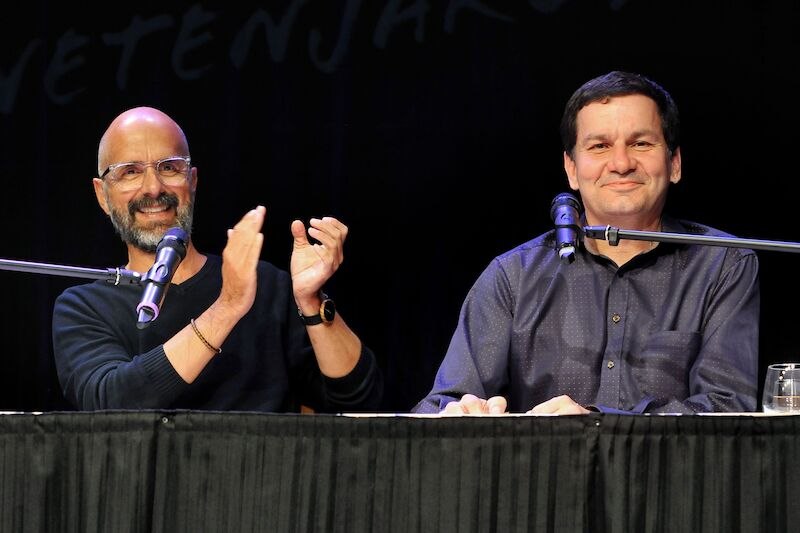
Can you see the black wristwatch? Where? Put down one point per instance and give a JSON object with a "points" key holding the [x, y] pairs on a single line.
{"points": [[327, 310]]}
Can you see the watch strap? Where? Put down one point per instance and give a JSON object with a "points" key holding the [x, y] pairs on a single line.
{"points": [[313, 320]]}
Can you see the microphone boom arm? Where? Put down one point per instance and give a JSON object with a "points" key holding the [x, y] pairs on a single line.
{"points": [[613, 236], [117, 276]]}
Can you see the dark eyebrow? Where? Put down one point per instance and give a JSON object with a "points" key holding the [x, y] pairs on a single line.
{"points": [[644, 133], [594, 137], [634, 135]]}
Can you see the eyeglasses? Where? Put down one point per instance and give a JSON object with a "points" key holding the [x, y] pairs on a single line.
{"points": [[129, 176]]}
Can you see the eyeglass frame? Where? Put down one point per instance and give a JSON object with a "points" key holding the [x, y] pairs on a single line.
{"points": [[154, 164]]}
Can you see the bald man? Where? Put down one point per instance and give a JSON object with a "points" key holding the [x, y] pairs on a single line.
{"points": [[234, 332]]}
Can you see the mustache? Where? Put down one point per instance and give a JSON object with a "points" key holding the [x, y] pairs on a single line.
{"points": [[162, 200]]}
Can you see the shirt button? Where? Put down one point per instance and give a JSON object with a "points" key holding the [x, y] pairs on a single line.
{"points": [[610, 364], [615, 318]]}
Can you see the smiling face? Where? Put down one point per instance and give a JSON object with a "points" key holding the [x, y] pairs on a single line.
{"points": [[621, 164], [142, 216]]}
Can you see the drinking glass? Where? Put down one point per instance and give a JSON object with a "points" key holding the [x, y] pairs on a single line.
{"points": [[782, 389]]}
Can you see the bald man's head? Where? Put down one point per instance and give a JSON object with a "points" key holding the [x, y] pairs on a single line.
{"points": [[135, 122], [144, 137]]}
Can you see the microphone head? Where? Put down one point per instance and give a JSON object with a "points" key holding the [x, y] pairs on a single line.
{"points": [[565, 212], [176, 239], [564, 199]]}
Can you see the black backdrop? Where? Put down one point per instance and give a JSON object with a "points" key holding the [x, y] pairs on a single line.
{"points": [[429, 127]]}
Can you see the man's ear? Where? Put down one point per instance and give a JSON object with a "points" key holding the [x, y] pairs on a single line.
{"points": [[675, 166], [193, 178], [572, 175], [100, 194]]}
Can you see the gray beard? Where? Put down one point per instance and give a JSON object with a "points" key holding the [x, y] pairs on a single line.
{"points": [[146, 238]]}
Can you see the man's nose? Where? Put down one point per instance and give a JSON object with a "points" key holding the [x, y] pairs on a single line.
{"points": [[621, 160], [151, 182]]}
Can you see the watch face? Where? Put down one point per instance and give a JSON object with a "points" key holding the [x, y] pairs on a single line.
{"points": [[328, 310]]}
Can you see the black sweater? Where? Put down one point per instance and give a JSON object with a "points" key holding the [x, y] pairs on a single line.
{"points": [[267, 364]]}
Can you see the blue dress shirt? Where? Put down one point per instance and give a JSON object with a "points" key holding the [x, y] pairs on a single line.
{"points": [[673, 330]]}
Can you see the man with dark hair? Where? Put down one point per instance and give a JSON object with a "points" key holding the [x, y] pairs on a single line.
{"points": [[632, 328], [235, 333]]}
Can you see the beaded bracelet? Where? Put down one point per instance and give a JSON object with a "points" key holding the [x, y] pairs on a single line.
{"points": [[203, 339]]}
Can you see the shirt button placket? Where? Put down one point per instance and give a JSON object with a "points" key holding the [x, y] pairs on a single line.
{"points": [[615, 318]]}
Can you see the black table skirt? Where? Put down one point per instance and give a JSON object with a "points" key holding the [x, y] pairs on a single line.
{"points": [[202, 471]]}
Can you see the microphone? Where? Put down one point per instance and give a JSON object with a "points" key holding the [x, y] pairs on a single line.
{"points": [[170, 252], [565, 212]]}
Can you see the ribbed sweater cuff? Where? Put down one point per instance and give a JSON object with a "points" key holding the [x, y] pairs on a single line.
{"points": [[162, 374]]}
